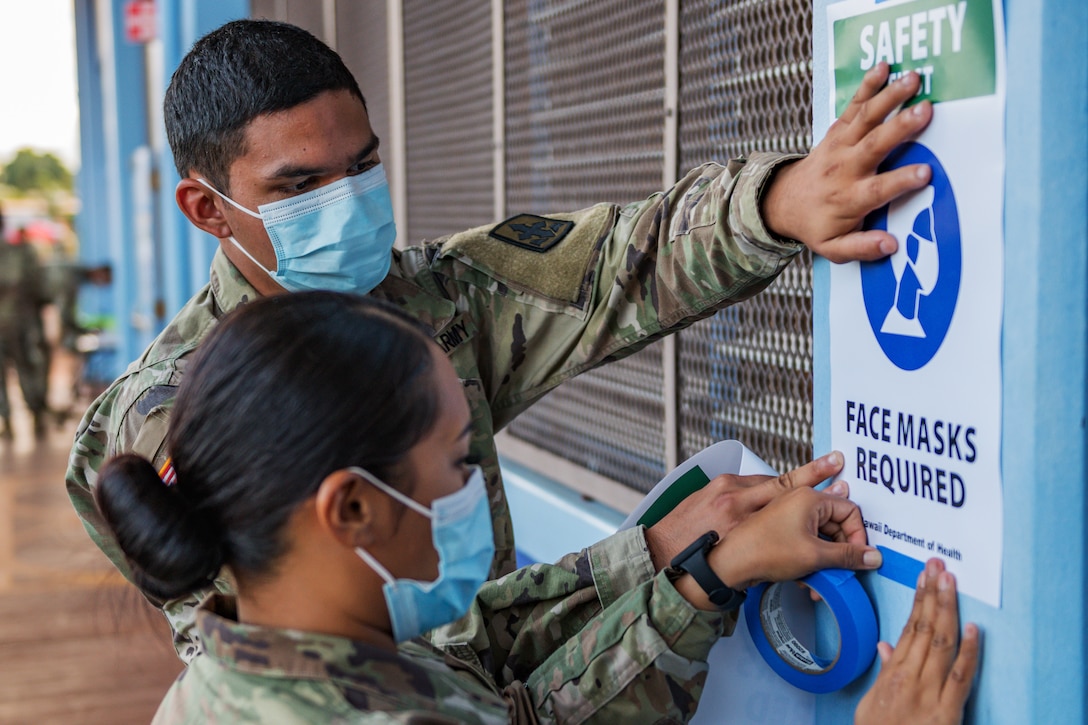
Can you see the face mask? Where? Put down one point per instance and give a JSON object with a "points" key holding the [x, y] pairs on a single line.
{"points": [[338, 237], [462, 536]]}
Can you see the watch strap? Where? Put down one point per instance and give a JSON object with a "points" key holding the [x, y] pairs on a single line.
{"points": [[693, 561]]}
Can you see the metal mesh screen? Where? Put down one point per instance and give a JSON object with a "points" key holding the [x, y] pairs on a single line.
{"points": [[584, 94], [584, 105], [746, 84], [584, 97], [361, 42], [448, 109]]}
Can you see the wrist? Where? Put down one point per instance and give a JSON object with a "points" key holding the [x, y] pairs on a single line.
{"points": [[775, 202], [686, 586], [693, 561], [728, 563], [661, 545]]}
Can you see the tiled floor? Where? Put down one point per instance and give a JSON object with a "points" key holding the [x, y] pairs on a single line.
{"points": [[77, 643]]}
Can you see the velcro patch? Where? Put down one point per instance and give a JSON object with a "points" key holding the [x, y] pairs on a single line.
{"points": [[532, 232], [567, 276]]}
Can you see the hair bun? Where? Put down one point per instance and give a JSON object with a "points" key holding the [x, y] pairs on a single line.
{"points": [[172, 549]]}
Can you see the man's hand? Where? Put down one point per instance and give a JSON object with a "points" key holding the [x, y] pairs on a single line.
{"points": [[923, 680], [822, 199], [728, 501]]}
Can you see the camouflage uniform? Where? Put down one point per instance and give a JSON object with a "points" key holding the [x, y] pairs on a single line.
{"points": [[22, 339], [516, 321], [595, 638]]}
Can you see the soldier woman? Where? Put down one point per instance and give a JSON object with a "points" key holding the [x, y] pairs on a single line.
{"points": [[351, 525]]}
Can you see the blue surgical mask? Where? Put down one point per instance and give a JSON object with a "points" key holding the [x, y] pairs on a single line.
{"points": [[338, 237], [462, 536]]}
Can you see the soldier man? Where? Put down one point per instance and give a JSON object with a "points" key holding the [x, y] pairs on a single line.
{"points": [[278, 161], [22, 340]]}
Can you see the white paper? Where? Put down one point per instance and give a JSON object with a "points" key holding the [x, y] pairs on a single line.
{"points": [[740, 687], [916, 339]]}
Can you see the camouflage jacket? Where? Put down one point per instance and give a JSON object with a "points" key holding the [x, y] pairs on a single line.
{"points": [[519, 307], [594, 638]]}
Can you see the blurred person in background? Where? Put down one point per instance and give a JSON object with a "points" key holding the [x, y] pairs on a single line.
{"points": [[65, 281], [77, 338], [22, 334]]}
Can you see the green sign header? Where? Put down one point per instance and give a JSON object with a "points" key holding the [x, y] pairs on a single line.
{"points": [[949, 44]]}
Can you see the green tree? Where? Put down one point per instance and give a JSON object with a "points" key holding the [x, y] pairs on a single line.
{"points": [[30, 170]]}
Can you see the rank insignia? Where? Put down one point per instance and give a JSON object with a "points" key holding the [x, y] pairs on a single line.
{"points": [[535, 233]]}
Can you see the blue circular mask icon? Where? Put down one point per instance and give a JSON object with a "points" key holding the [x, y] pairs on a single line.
{"points": [[910, 296]]}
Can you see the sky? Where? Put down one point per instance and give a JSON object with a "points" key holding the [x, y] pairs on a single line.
{"points": [[38, 98]]}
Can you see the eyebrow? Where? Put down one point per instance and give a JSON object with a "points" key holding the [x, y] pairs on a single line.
{"points": [[293, 172], [466, 431]]}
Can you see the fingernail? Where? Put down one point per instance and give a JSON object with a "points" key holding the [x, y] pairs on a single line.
{"points": [[837, 489], [922, 172], [834, 458], [888, 246], [944, 582], [906, 78], [921, 585], [916, 110], [872, 558]]}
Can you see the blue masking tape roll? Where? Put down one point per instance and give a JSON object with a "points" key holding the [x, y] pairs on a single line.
{"points": [[853, 612]]}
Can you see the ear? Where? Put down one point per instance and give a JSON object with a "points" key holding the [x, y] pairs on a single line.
{"points": [[352, 511], [202, 207]]}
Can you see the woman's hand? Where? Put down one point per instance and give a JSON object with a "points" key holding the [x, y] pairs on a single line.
{"points": [[923, 681], [797, 533], [727, 501]]}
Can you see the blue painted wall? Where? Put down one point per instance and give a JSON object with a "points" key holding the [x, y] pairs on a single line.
{"points": [[119, 100], [90, 181], [187, 252], [118, 127]]}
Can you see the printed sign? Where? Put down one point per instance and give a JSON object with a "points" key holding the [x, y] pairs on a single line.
{"points": [[916, 337], [934, 38]]}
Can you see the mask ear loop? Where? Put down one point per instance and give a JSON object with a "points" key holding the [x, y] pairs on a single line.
{"points": [[386, 488], [260, 266], [396, 495], [375, 564], [230, 201], [234, 241]]}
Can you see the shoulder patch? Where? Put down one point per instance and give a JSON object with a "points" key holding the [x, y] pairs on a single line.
{"points": [[154, 397], [568, 275], [532, 232]]}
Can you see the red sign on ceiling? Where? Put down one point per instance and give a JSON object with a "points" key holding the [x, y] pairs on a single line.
{"points": [[139, 20]]}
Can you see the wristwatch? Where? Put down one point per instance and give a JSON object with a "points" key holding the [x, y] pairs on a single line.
{"points": [[693, 561]]}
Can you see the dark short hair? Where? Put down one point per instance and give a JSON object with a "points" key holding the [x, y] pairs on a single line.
{"points": [[285, 391], [235, 73]]}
